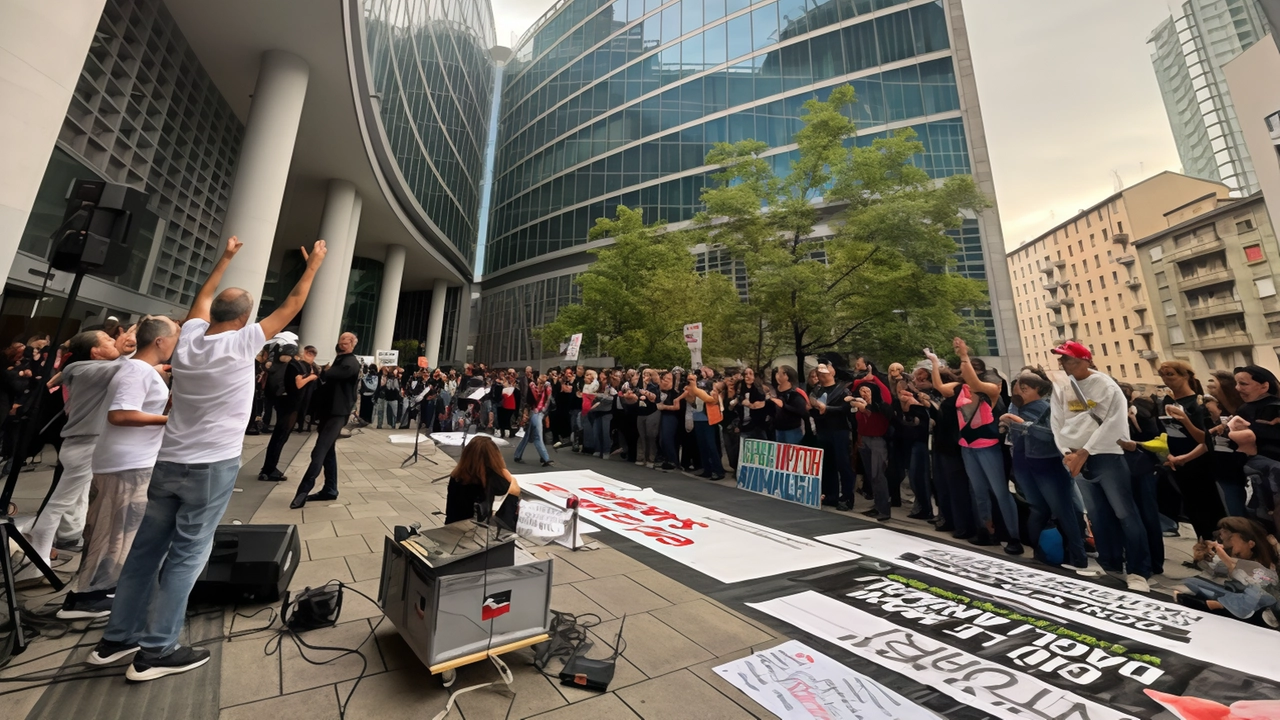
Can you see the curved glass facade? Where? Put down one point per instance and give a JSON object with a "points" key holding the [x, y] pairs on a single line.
{"points": [[609, 103], [431, 68]]}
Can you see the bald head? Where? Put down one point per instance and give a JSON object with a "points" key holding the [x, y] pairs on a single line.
{"points": [[347, 342], [231, 305]]}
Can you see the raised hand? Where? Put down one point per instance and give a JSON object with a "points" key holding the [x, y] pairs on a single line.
{"points": [[233, 247], [316, 256]]}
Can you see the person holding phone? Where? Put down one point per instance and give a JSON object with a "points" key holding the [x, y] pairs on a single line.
{"points": [[1185, 419]]}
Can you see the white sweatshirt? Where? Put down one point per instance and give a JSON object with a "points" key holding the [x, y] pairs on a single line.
{"points": [[1074, 428]]}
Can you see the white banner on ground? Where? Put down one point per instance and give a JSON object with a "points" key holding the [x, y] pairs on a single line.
{"points": [[575, 344], [722, 546], [1210, 638], [796, 682], [388, 358], [974, 681], [457, 439]]}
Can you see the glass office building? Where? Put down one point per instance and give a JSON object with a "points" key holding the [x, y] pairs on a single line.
{"points": [[617, 103], [433, 76]]}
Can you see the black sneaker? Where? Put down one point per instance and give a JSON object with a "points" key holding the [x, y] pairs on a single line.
{"points": [[318, 497], [178, 661], [79, 608], [69, 545], [1014, 548], [843, 506], [107, 652], [298, 501], [547, 463], [668, 466]]}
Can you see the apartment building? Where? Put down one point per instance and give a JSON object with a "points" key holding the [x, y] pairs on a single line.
{"points": [[1213, 275], [1079, 280]]}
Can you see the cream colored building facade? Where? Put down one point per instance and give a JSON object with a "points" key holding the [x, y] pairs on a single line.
{"points": [[1079, 281], [1254, 76], [1213, 276]]}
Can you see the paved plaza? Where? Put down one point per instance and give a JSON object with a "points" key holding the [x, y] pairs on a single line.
{"points": [[680, 624]]}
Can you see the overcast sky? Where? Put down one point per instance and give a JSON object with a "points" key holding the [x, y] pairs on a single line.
{"points": [[1068, 97]]}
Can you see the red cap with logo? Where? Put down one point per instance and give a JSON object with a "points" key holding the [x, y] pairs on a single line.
{"points": [[1071, 348]]}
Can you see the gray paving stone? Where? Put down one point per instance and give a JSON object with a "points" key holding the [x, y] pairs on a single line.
{"points": [[707, 672], [321, 510], [298, 674], [313, 573], [365, 567], [248, 674], [355, 607], [336, 547], [408, 694], [620, 595], [603, 562], [652, 646], [714, 628], [568, 599], [672, 591], [602, 707], [624, 673], [534, 693], [318, 704], [673, 696], [563, 573], [316, 530], [358, 526]]}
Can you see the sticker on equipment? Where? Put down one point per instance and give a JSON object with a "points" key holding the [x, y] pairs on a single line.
{"points": [[496, 604]]}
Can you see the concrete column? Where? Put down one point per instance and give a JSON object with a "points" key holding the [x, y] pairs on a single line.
{"points": [[263, 168], [323, 312], [389, 297], [42, 50], [435, 322]]}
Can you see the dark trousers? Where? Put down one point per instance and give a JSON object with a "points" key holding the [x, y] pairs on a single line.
{"points": [[705, 434], [954, 497], [324, 456], [504, 422], [837, 469], [667, 438], [279, 436]]}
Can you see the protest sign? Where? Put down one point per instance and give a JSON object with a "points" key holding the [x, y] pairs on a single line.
{"points": [[542, 523], [710, 542], [366, 360], [693, 338], [796, 682], [575, 345], [781, 470], [422, 362], [388, 358]]}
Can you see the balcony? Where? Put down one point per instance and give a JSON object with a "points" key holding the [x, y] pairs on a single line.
{"points": [[1126, 260], [1148, 354], [1203, 279], [1222, 342], [1068, 301], [1138, 307], [1060, 263], [1053, 305], [1198, 312], [1050, 285], [1133, 283], [1144, 330], [1047, 268], [1196, 250], [1121, 238], [1058, 323]]}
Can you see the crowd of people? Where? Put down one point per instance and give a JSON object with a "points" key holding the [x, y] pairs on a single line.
{"points": [[1069, 461]]}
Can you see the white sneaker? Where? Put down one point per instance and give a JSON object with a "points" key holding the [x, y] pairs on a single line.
{"points": [[1093, 569], [649, 465], [1137, 583], [1269, 617]]}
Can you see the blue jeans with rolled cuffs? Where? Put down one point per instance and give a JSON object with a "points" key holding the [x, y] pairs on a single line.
{"points": [[184, 505], [1118, 531]]}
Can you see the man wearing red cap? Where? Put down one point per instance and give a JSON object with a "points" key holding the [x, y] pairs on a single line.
{"points": [[1089, 419]]}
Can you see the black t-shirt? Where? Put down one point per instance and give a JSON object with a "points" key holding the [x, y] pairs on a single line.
{"points": [[1180, 441], [462, 497], [793, 411], [291, 397], [1263, 415]]}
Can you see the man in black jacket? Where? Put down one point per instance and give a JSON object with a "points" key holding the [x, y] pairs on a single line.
{"points": [[332, 405]]}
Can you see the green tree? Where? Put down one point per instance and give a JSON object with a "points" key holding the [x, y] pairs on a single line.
{"points": [[409, 349], [878, 282], [640, 292]]}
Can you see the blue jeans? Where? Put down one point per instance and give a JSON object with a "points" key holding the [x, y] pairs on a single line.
{"points": [[533, 430], [388, 410], [669, 450], [600, 440], [985, 467], [1145, 497], [184, 504], [1233, 498], [793, 436], [707, 450], [918, 474], [1117, 525], [1048, 488]]}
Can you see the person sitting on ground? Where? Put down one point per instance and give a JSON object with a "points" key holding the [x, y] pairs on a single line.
{"points": [[1241, 569], [479, 478]]}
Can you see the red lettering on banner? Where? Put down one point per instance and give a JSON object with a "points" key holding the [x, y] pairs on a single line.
{"points": [[549, 487], [621, 517], [796, 459], [662, 535]]}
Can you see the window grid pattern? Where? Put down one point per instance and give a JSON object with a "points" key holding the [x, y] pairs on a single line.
{"points": [[146, 114], [511, 316], [538, 184], [449, 335], [430, 65], [360, 311]]}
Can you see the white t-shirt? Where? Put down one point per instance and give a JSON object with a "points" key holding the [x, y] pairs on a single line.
{"points": [[213, 378], [136, 386]]}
